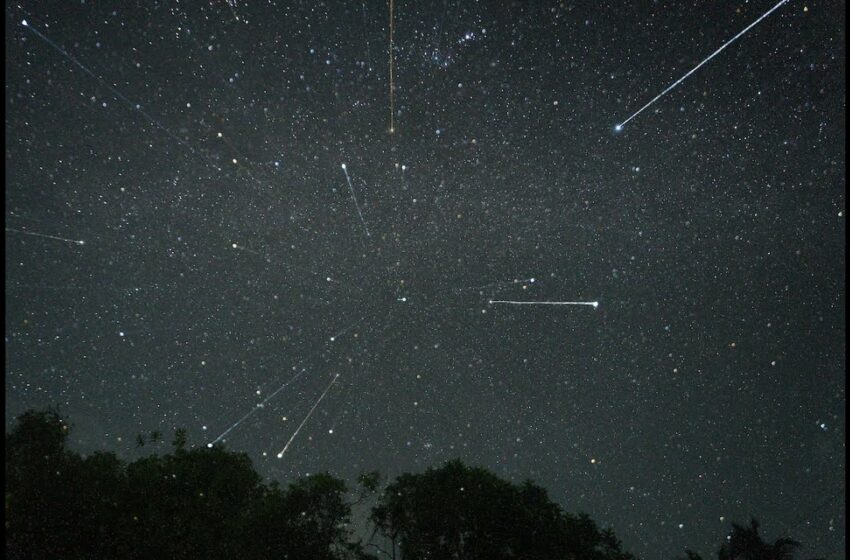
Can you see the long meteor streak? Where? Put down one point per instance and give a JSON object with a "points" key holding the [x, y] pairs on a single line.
{"points": [[258, 406], [593, 304], [74, 241], [392, 85], [356, 205], [134, 106], [301, 425], [620, 126]]}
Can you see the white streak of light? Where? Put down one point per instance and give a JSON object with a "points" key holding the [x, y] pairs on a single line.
{"points": [[75, 241], [356, 205], [593, 304], [620, 126], [301, 425], [256, 408]]}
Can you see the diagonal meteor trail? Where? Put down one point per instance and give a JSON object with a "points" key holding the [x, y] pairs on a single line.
{"points": [[256, 407], [356, 205], [620, 126], [301, 425]]}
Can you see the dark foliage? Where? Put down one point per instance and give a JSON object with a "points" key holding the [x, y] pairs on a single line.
{"points": [[192, 503], [745, 543], [463, 512], [210, 503]]}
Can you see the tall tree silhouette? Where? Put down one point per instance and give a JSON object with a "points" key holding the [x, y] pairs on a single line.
{"points": [[466, 512]]}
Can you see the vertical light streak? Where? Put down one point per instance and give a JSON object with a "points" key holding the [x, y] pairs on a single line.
{"points": [[392, 83]]}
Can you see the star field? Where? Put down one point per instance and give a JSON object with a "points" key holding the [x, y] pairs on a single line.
{"points": [[208, 220]]}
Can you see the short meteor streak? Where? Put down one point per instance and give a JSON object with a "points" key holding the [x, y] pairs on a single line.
{"points": [[301, 425], [620, 126], [258, 406], [356, 205], [593, 304], [346, 329], [74, 241], [497, 284]]}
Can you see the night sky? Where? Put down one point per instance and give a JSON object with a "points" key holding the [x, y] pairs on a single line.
{"points": [[182, 241]]}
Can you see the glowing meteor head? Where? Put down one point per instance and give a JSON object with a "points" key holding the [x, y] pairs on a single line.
{"points": [[343, 166], [24, 23], [280, 455], [595, 304], [618, 128], [209, 445]]}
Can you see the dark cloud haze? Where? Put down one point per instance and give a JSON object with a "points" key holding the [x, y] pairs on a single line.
{"points": [[196, 149]]}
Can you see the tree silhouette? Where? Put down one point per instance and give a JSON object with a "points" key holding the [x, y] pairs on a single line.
{"points": [[193, 503], [180, 440], [745, 543], [208, 502], [466, 512]]}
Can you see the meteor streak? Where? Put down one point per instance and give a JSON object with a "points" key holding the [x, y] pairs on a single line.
{"points": [[75, 241], [620, 126], [258, 406], [593, 304], [392, 84], [134, 106], [356, 205], [497, 284], [301, 425]]}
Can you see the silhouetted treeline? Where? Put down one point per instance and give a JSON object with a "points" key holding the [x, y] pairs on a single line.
{"points": [[210, 503]]}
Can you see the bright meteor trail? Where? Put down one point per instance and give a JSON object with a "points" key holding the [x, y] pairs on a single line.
{"points": [[593, 304], [354, 197], [620, 126], [257, 407], [44, 235], [301, 425]]}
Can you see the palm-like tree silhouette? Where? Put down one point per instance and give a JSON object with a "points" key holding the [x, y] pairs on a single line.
{"points": [[745, 543]]}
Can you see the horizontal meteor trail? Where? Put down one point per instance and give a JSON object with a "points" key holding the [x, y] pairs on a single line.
{"points": [[301, 425], [75, 241], [593, 304], [496, 284], [620, 126]]}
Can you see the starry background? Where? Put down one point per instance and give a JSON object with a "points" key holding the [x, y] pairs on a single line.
{"points": [[198, 156]]}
